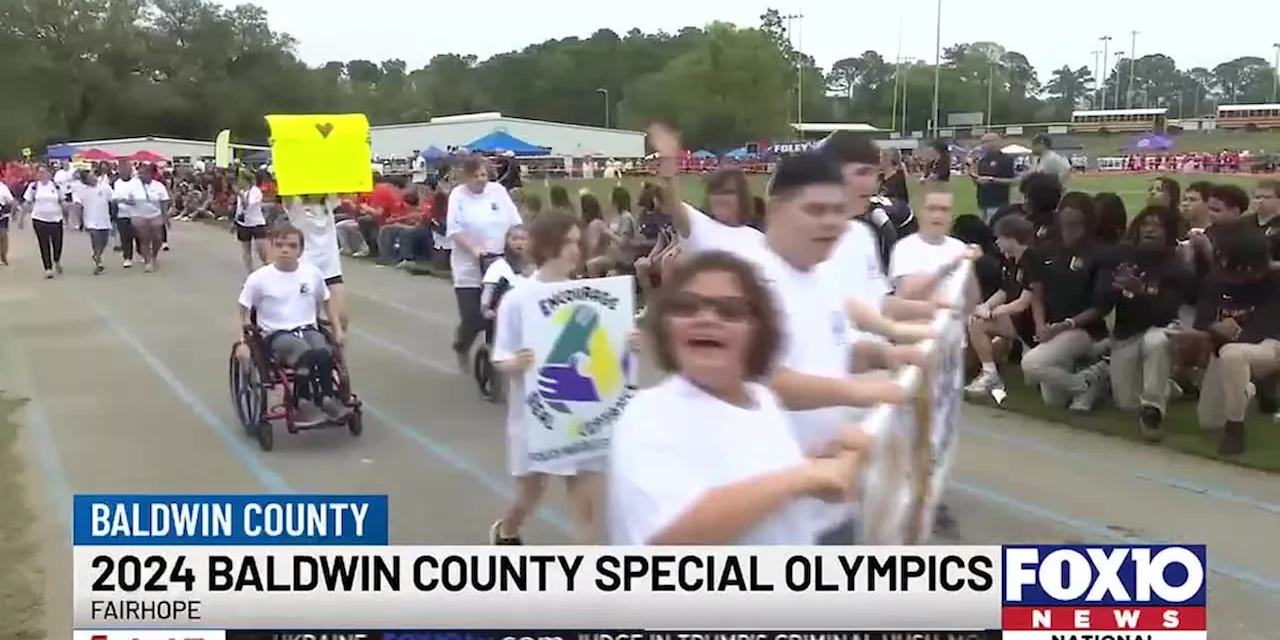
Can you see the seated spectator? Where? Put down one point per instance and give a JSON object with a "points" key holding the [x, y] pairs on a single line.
{"points": [[1006, 313], [1266, 216], [1195, 207], [1226, 204], [530, 206], [394, 226], [417, 245], [1068, 305], [1113, 219], [1041, 193], [1148, 284], [1238, 325], [558, 197]]}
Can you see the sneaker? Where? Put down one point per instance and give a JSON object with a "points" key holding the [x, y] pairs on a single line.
{"points": [[98, 269], [363, 253], [985, 383], [126, 264], [1094, 384], [1149, 422], [58, 268], [307, 414], [334, 409], [496, 538], [1231, 442], [48, 274], [405, 264], [343, 251], [148, 267], [164, 247]]}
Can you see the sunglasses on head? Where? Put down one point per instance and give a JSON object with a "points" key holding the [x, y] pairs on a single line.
{"points": [[728, 308]]}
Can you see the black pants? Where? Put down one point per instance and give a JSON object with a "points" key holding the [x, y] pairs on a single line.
{"points": [[128, 239], [470, 321], [369, 231], [49, 237]]}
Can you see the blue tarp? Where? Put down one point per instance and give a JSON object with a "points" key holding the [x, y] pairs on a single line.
{"points": [[740, 153], [60, 151], [433, 153], [704, 155], [1149, 142], [500, 141]]}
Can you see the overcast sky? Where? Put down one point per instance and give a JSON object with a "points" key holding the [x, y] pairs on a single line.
{"points": [[831, 29]]}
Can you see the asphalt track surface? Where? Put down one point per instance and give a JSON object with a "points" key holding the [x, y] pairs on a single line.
{"points": [[127, 376]]}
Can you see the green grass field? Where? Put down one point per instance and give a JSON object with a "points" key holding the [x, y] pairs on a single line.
{"points": [[1184, 433]]}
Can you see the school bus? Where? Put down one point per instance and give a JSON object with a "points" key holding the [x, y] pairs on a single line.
{"points": [[1248, 116], [1118, 120]]}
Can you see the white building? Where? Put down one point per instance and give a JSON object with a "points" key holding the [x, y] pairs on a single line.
{"points": [[401, 140], [167, 147]]}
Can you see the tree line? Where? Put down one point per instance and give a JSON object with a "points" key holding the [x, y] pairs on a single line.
{"points": [[85, 69]]}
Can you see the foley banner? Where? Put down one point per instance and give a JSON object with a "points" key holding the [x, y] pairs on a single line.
{"points": [[319, 154], [584, 374]]}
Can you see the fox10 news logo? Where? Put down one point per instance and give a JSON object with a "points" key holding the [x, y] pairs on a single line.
{"points": [[1133, 591]]}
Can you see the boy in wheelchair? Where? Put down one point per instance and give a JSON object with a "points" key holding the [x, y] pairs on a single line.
{"points": [[280, 302], [500, 276]]}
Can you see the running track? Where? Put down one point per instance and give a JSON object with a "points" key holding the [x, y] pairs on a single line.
{"points": [[127, 377]]}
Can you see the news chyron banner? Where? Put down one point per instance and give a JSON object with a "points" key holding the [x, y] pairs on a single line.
{"points": [[249, 567]]}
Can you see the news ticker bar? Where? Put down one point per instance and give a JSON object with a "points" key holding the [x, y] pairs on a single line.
{"points": [[611, 634]]}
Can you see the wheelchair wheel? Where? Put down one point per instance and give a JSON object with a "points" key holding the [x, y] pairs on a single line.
{"points": [[485, 376], [266, 436], [248, 393]]}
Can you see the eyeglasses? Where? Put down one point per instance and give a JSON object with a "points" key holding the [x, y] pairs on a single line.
{"points": [[728, 308]]}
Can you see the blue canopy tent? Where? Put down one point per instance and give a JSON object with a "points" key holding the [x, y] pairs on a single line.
{"points": [[433, 153], [500, 141], [1149, 142], [704, 155], [740, 153], [60, 151]]}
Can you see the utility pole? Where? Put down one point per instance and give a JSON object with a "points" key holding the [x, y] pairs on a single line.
{"points": [[991, 83], [1106, 46], [794, 37], [1275, 66], [1133, 58], [1117, 96], [1097, 74], [937, 67]]}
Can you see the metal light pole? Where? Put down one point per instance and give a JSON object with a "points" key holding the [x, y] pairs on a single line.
{"points": [[991, 83], [1133, 58], [1097, 73], [1275, 66], [794, 35], [1117, 92], [937, 66], [1106, 45], [605, 93]]}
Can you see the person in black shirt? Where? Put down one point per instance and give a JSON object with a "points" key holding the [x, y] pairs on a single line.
{"points": [[1266, 216], [1148, 284], [939, 167], [1238, 324], [1069, 302], [993, 173], [893, 176], [1006, 314]]}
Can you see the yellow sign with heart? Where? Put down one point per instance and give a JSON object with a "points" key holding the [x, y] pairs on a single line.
{"points": [[317, 154]]}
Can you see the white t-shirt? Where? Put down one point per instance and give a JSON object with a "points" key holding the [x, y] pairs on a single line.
{"points": [[855, 265], [499, 270], [154, 195], [249, 208], [816, 340], [125, 190], [913, 255], [508, 339], [96, 202], [63, 179], [485, 218], [707, 234], [285, 300], [319, 239], [46, 201], [674, 443], [419, 169], [6, 198]]}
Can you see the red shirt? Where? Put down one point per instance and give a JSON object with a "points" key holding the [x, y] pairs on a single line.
{"points": [[386, 200]]}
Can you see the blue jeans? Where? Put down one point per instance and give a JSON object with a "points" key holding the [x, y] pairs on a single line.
{"points": [[416, 245], [388, 237]]}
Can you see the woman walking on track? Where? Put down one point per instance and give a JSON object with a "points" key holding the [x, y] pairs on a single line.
{"points": [[251, 222], [313, 216], [44, 202], [707, 456], [92, 201], [150, 215], [555, 247]]}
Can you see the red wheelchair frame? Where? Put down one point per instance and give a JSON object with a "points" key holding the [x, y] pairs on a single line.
{"points": [[253, 385]]}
